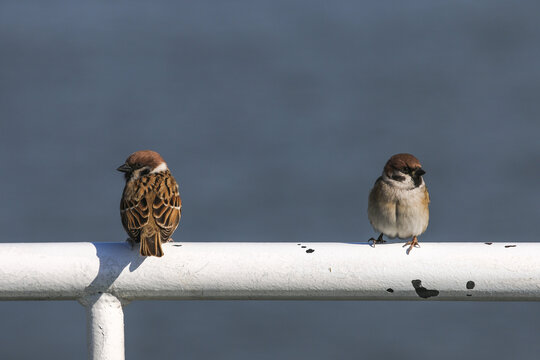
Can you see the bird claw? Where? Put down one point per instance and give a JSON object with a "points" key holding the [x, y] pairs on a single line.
{"points": [[417, 245], [378, 240], [413, 243]]}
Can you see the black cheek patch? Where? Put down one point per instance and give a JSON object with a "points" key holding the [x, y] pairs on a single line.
{"points": [[398, 177]]}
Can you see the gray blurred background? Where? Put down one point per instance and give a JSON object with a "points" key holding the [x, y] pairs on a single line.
{"points": [[276, 118]]}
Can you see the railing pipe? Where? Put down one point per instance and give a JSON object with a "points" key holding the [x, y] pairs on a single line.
{"points": [[265, 271], [105, 276], [104, 327]]}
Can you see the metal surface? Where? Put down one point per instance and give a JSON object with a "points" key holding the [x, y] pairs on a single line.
{"points": [[105, 327], [329, 271], [104, 276]]}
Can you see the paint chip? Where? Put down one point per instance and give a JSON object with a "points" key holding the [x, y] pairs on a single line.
{"points": [[303, 247], [422, 291], [507, 246], [177, 245], [488, 243], [309, 251], [470, 284], [390, 290]]}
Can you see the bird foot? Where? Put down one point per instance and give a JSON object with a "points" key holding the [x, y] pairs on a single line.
{"points": [[412, 243], [378, 240], [170, 240]]}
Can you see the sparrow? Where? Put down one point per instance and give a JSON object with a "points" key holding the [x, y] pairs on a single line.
{"points": [[398, 204], [150, 207]]}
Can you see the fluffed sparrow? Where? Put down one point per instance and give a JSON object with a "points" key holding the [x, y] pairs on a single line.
{"points": [[398, 204], [150, 207]]}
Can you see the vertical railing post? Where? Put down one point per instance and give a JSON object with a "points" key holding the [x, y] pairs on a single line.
{"points": [[104, 326]]}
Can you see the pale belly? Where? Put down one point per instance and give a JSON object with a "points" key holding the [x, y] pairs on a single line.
{"points": [[401, 218]]}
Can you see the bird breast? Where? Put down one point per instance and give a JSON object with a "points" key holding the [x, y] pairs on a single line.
{"points": [[398, 212]]}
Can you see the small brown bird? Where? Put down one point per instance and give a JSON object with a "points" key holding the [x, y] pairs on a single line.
{"points": [[398, 204], [150, 207]]}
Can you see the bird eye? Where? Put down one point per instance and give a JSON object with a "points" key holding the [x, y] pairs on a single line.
{"points": [[404, 170]]}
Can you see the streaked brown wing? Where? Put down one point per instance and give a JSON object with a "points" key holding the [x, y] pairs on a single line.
{"points": [[167, 207], [134, 211]]}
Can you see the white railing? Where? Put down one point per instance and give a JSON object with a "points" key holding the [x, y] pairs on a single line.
{"points": [[104, 277]]}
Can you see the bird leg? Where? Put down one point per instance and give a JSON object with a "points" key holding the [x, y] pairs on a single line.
{"points": [[412, 243], [379, 240]]}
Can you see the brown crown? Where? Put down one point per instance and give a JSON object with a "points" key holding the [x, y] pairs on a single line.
{"points": [[400, 161], [145, 158]]}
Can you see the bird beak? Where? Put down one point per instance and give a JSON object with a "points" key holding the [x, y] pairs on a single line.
{"points": [[419, 172], [124, 168]]}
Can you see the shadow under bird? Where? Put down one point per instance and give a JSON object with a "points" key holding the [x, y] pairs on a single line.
{"points": [[398, 204], [151, 206]]}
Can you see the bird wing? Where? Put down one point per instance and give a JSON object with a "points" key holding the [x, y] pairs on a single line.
{"points": [[167, 207], [134, 208]]}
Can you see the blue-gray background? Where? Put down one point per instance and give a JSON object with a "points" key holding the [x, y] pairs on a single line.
{"points": [[276, 118]]}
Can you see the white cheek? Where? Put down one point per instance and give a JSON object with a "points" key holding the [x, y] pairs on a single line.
{"points": [[137, 173], [408, 183], [160, 168]]}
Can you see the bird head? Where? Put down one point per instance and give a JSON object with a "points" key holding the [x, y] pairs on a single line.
{"points": [[142, 163], [404, 170]]}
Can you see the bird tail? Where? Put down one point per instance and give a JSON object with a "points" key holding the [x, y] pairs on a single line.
{"points": [[151, 245]]}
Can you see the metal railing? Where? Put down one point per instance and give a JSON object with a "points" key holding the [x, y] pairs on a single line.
{"points": [[104, 277]]}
